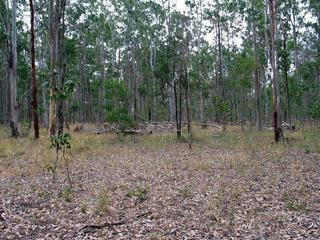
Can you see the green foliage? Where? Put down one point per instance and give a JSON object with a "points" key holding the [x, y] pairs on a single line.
{"points": [[139, 194], [141, 48], [49, 168], [116, 103], [43, 193], [66, 193], [294, 205], [65, 90], [221, 107], [60, 142], [102, 204], [315, 110]]}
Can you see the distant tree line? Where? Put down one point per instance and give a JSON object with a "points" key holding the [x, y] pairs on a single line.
{"points": [[246, 62]]}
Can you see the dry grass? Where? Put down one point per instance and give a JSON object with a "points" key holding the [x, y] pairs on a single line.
{"points": [[233, 184]]}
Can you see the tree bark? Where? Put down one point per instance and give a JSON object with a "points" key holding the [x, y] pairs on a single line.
{"points": [[285, 73], [53, 29], [256, 74], [188, 107], [56, 7], [33, 75], [178, 114], [277, 120], [61, 101], [295, 46], [13, 74]]}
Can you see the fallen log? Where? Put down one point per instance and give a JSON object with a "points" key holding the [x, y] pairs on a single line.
{"points": [[148, 128], [185, 123], [136, 132], [90, 228]]}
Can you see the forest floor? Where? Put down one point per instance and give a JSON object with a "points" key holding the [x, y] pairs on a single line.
{"points": [[232, 185]]}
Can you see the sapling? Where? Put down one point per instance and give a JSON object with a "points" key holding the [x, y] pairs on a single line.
{"points": [[61, 143]]}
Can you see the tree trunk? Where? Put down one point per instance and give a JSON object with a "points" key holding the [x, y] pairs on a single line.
{"points": [[256, 74], [171, 103], [178, 114], [277, 122], [13, 74], [61, 101], [295, 47], [53, 29], [220, 61], [34, 81], [188, 107], [285, 73], [56, 8]]}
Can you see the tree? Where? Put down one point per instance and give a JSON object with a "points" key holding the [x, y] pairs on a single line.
{"points": [[222, 74], [33, 77], [12, 64], [277, 119], [256, 69], [56, 8]]}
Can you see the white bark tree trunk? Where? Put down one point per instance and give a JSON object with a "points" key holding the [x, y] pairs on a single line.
{"points": [[13, 74]]}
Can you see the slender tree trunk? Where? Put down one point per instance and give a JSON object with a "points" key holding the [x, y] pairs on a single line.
{"points": [[202, 108], [34, 81], [256, 74], [177, 115], [101, 64], [153, 87], [45, 119], [13, 74], [61, 102], [188, 107], [277, 120], [220, 62], [53, 29], [295, 45], [285, 73], [171, 103], [56, 10]]}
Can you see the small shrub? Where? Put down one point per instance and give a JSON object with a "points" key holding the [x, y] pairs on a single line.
{"points": [[139, 194], [42, 193], [222, 206], [65, 193], [306, 149], [83, 208], [186, 191], [61, 143], [102, 204], [155, 236], [2, 153], [201, 166], [294, 205]]}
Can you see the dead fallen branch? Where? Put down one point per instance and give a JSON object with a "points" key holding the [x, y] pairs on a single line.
{"points": [[148, 128], [90, 228], [185, 123]]}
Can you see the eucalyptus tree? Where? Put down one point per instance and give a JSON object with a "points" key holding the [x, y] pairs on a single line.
{"points": [[277, 118], [253, 16], [3, 67], [197, 42], [10, 34], [56, 8], [34, 81], [223, 18]]}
